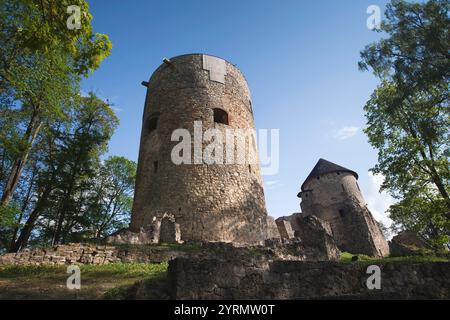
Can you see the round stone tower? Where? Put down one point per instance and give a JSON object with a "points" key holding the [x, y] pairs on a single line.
{"points": [[332, 193], [218, 201]]}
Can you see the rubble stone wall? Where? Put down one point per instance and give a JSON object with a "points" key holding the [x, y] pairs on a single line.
{"points": [[336, 198], [211, 202], [77, 253], [262, 279]]}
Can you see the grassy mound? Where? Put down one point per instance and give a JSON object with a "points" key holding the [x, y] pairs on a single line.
{"points": [[49, 282]]}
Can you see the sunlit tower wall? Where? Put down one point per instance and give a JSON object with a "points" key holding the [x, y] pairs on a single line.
{"points": [[211, 202], [332, 193]]}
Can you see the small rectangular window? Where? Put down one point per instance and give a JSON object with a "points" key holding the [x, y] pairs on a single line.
{"points": [[155, 166], [220, 116], [152, 124]]}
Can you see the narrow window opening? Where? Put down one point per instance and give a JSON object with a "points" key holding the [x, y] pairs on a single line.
{"points": [[318, 178], [155, 166], [220, 116], [343, 189], [152, 124], [250, 168], [341, 213]]}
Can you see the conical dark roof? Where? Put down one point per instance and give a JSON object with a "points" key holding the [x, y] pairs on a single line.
{"points": [[323, 166]]}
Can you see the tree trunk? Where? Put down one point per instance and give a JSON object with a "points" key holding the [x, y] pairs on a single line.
{"points": [[19, 163], [24, 207], [25, 233]]}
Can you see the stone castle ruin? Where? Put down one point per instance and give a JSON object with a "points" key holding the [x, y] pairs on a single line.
{"points": [[222, 202], [332, 194], [210, 202], [217, 211]]}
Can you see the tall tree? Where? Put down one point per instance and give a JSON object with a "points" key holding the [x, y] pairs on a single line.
{"points": [[112, 195], [69, 162], [408, 114], [41, 62]]}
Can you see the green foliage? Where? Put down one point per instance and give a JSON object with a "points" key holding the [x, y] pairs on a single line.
{"points": [[408, 114], [424, 214], [73, 168], [52, 138], [113, 269], [32, 26], [41, 64], [113, 187], [416, 53]]}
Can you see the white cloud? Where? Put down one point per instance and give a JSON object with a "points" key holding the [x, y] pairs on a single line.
{"points": [[378, 202], [274, 184], [116, 109], [346, 132]]}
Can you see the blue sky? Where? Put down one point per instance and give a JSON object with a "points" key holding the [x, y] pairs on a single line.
{"points": [[299, 57]]}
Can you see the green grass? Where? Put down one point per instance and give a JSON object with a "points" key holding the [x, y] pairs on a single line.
{"points": [[347, 257], [189, 247], [49, 282]]}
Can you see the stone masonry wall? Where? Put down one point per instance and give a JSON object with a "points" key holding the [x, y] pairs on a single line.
{"points": [[261, 279], [336, 198], [211, 202], [76, 253]]}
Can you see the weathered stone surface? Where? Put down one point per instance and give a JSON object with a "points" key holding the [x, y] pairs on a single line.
{"points": [[170, 230], [211, 202], [316, 236], [101, 254], [126, 236], [78, 253], [262, 279], [285, 229], [331, 193], [63, 254], [293, 220], [407, 243], [272, 229], [161, 230]]}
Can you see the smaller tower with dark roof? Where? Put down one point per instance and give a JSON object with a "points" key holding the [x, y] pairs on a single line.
{"points": [[332, 193]]}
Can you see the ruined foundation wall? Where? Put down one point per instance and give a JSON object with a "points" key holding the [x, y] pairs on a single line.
{"points": [[79, 253], [195, 279]]}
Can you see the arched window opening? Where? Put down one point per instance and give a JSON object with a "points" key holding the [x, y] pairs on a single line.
{"points": [[155, 166], [220, 116]]}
